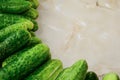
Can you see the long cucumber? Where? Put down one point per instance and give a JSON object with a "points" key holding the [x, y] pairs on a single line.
{"points": [[35, 3], [14, 6], [13, 43], [32, 42]]}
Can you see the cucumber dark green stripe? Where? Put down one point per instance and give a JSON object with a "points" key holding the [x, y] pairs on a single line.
{"points": [[13, 43], [14, 6], [76, 72], [25, 63], [48, 71]]}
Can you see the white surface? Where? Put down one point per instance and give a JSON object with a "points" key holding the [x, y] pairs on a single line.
{"points": [[88, 29]]}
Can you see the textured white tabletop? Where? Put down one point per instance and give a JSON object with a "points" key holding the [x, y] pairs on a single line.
{"points": [[82, 29]]}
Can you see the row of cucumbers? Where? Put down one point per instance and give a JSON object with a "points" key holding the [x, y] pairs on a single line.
{"points": [[23, 56]]}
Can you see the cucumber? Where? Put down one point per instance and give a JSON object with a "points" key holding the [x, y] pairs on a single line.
{"points": [[35, 3], [14, 6], [6, 32], [25, 62], [32, 13], [48, 71], [10, 19], [76, 72], [111, 76], [10, 44], [91, 76], [32, 42]]}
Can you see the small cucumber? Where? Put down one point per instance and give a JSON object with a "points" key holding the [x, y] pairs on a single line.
{"points": [[25, 62], [32, 13], [76, 72], [14, 6], [13, 43], [91, 76], [48, 71], [111, 76]]}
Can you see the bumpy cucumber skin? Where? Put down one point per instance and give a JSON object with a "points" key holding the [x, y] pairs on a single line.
{"points": [[32, 42], [76, 72], [10, 19], [13, 43], [14, 6], [48, 71], [25, 63], [111, 76], [91, 76], [6, 32], [35, 3], [7, 20], [32, 13]]}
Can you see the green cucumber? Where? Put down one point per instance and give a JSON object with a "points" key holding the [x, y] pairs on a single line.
{"points": [[10, 19], [26, 61], [6, 32], [76, 72], [10, 44], [91, 76], [32, 13], [32, 42], [48, 71], [14, 6], [110, 76], [35, 3]]}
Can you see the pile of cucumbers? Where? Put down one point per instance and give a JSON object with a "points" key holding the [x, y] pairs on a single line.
{"points": [[23, 56]]}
